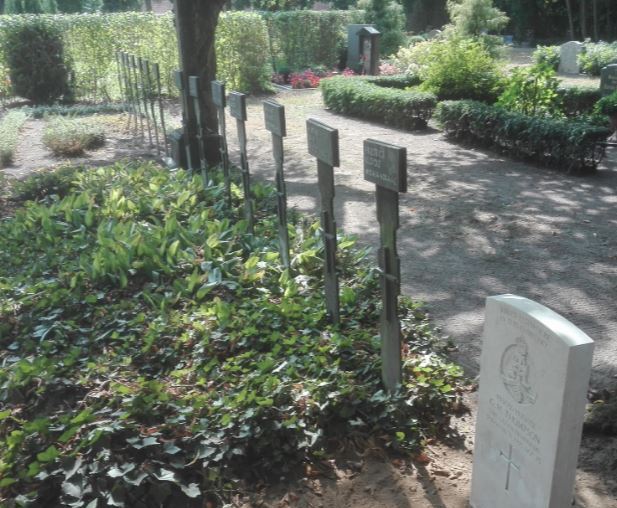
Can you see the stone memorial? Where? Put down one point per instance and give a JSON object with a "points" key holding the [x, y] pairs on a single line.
{"points": [[354, 45], [568, 57], [608, 80], [369, 50], [237, 109], [534, 375], [323, 145], [433, 34], [195, 94], [218, 97], [385, 165], [274, 118]]}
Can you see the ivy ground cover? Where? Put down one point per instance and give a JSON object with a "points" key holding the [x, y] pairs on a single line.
{"points": [[152, 353]]}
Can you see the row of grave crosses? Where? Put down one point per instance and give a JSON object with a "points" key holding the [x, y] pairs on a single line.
{"points": [[385, 165]]}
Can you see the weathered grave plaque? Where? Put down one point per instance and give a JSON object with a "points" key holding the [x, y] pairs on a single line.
{"points": [[274, 117], [195, 93], [608, 81], [218, 97], [534, 376], [386, 166], [568, 57], [237, 109], [323, 144]]}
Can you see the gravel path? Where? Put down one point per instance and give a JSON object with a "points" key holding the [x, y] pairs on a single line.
{"points": [[473, 224]]}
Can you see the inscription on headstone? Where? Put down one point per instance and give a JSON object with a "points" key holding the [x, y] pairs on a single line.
{"points": [[386, 166], [274, 117], [608, 80], [534, 376], [237, 108], [218, 96], [323, 144], [195, 93]]}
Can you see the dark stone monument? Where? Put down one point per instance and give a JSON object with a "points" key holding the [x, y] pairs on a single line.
{"points": [[195, 94], [608, 80], [369, 48], [237, 109], [218, 97], [386, 166], [354, 46], [323, 144], [274, 117]]}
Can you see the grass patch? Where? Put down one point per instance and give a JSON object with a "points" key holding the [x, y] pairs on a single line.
{"points": [[152, 352], [10, 125], [72, 136], [75, 110]]}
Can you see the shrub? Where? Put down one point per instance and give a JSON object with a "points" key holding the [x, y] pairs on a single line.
{"points": [[10, 125], [72, 136], [596, 56], [472, 18], [401, 81], [38, 186], [532, 91], [389, 18], [35, 57], [568, 145], [607, 105], [577, 101], [548, 55], [362, 98]]}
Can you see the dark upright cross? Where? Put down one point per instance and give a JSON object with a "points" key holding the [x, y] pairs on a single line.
{"points": [[237, 109], [386, 166], [218, 97], [194, 92], [323, 144], [179, 77], [274, 116], [144, 95], [511, 464]]}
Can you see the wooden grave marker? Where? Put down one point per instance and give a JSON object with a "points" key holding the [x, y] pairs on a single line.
{"points": [[218, 97], [195, 94], [385, 165], [237, 109], [323, 144], [274, 117]]}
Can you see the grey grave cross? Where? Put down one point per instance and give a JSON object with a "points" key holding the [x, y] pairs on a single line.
{"points": [[511, 464], [386, 166], [237, 109], [274, 116], [195, 93], [218, 97], [323, 144]]}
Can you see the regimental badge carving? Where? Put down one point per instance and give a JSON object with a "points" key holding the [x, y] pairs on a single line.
{"points": [[517, 372]]}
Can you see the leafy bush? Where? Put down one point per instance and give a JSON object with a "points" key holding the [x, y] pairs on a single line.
{"points": [[72, 136], [363, 98], [577, 101], [10, 125], [401, 81], [532, 91], [473, 18], [567, 145], [548, 55], [607, 105], [42, 184], [151, 351], [389, 18], [596, 56], [35, 57], [29, 6]]}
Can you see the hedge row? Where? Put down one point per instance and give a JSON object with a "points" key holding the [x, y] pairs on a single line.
{"points": [[578, 100], [401, 81], [568, 145], [363, 98]]}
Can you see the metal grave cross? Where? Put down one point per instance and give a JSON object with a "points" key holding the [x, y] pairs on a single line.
{"points": [[274, 116], [511, 465], [386, 166], [218, 97], [195, 93], [323, 144], [237, 109]]}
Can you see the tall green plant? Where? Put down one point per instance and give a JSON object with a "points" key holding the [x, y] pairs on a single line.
{"points": [[389, 19], [472, 18]]}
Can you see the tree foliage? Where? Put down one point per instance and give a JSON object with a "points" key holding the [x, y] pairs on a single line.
{"points": [[389, 19], [472, 18]]}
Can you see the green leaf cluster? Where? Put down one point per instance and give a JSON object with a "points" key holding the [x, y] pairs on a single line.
{"points": [[151, 350], [472, 18], [365, 98], [547, 55], [596, 56], [10, 126], [607, 105]]}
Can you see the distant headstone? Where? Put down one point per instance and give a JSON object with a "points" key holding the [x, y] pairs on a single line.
{"points": [[354, 45], [323, 144], [608, 81], [369, 48], [568, 57], [274, 117], [433, 34], [218, 97], [237, 109], [386, 166], [534, 376]]}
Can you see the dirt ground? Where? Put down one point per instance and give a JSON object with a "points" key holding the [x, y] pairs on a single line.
{"points": [[473, 224]]}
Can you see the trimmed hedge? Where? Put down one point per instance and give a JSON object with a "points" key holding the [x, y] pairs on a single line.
{"points": [[564, 144], [401, 81], [577, 101], [363, 98]]}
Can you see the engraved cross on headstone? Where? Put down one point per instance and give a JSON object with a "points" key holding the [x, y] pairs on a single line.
{"points": [[274, 116], [195, 93], [218, 97], [237, 108], [386, 166], [511, 464], [323, 144]]}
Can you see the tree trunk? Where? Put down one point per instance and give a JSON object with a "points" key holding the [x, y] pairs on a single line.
{"points": [[570, 18], [196, 22], [595, 21], [584, 19], [148, 5]]}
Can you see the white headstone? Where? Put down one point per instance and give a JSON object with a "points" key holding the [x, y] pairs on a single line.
{"points": [[568, 57], [433, 34], [534, 375]]}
